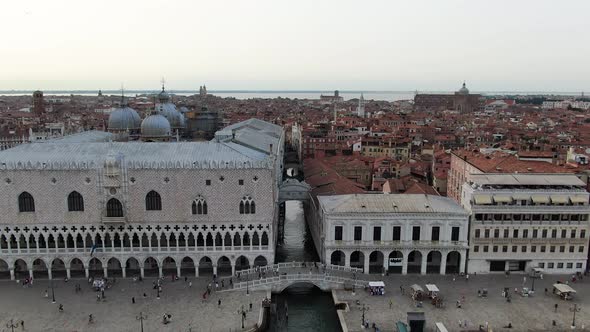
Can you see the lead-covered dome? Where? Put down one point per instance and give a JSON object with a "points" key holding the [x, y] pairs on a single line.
{"points": [[464, 90], [169, 111], [123, 119], [155, 125]]}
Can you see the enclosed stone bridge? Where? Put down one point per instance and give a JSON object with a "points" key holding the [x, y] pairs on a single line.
{"points": [[279, 276]]}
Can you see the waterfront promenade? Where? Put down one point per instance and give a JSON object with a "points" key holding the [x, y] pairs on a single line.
{"points": [[534, 313], [118, 313]]}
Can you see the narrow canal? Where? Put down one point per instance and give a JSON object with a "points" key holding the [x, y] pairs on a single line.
{"points": [[308, 308]]}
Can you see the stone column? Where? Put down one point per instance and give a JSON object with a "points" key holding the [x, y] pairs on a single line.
{"points": [[443, 263], [68, 273], [160, 273], [105, 272], [462, 265], [197, 270], [11, 274], [233, 269], [49, 275], [366, 262], [124, 272], [424, 263], [214, 269], [142, 272], [31, 273], [86, 272], [385, 263], [178, 270], [405, 263], [347, 260]]}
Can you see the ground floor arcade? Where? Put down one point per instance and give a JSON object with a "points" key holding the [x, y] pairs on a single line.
{"points": [[128, 265], [404, 261]]}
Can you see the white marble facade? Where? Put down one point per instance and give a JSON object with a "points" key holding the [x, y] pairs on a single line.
{"points": [[234, 227]]}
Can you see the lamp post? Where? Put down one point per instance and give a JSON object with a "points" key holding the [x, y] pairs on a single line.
{"points": [[158, 292], [242, 314], [533, 286], [364, 309], [52, 292], [140, 318], [247, 284], [574, 310], [11, 325], [353, 283]]}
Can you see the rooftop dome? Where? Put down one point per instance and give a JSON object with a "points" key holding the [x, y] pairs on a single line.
{"points": [[155, 125], [163, 96], [169, 111], [124, 118], [464, 90]]}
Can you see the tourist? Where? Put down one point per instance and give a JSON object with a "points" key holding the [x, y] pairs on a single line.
{"points": [[61, 307], [219, 303], [466, 277], [231, 282], [46, 294], [185, 279], [555, 307], [250, 306], [190, 284], [144, 295], [222, 284], [90, 319], [390, 304], [133, 299]]}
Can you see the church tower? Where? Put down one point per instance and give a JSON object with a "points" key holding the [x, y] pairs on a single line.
{"points": [[360, 110], [38, 103]]}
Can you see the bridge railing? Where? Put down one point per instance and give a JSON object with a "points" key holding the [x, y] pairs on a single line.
{"points": [[287, 265], [298, 277]]}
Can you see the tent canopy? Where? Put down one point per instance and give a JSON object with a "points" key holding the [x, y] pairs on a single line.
{"points": [[432, 288], [563, 288], [376, 284]]}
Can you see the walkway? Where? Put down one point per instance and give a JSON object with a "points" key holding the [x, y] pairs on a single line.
{"points": [[279, 276]]}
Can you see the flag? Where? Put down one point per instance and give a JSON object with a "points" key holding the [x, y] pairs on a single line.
{"points": [[92, 250]]}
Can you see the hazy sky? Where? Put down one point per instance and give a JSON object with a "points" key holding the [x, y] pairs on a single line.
{"points": [[496, 45]]}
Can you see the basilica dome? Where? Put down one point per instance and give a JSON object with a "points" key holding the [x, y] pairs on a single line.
{"points": [[155, 125], [124, 118], [169, 111], [464, 90]]}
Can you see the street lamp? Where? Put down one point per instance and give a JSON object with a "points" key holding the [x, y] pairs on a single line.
{"points": [[364, 309], [158, 291], [574, 310], [242, 313], [140, 318], [11, 325], [52, 292], [533, 287], [353, 283], [247, 284]]}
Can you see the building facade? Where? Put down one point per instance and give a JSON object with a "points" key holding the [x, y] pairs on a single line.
{"points": [[136, 208], [392, 233], [524, 221]]}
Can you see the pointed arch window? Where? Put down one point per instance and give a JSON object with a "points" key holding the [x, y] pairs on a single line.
{"points": [[153, 201], [247, 205], [114, 208], [199, 205], [75, 201], [26, 202]]}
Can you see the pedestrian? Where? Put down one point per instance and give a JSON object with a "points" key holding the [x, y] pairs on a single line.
{"points": [[133, 299], [390, 304], [222, 284], [216, 286], [208, 291], [555, 307], [219, 303], [61, 307], [466, 277], [190, 284], [185, 279], [144, 295], [250, 306], [523, 280], [46, 295], [231, 282]]}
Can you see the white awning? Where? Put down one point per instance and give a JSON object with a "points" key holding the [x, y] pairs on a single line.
{"points": [[483, 199], [563, 288], [416, 288], [579, 199], [559, 199], [376, 284], [540, 199], [432, 288], [502, 198]]}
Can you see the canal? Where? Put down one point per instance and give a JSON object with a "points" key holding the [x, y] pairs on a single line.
{"points": [[308, 308]]}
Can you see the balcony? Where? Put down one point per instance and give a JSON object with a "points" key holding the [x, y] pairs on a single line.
{"points": [[113, 220]]}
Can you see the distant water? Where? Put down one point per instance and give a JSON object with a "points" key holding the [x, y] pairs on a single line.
{"points": [[311, 94]]}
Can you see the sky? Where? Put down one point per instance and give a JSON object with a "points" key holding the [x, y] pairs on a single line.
{"points": [[500, 45]]}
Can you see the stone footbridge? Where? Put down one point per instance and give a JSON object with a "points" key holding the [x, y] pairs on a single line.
{"points": [[279, 276]]}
